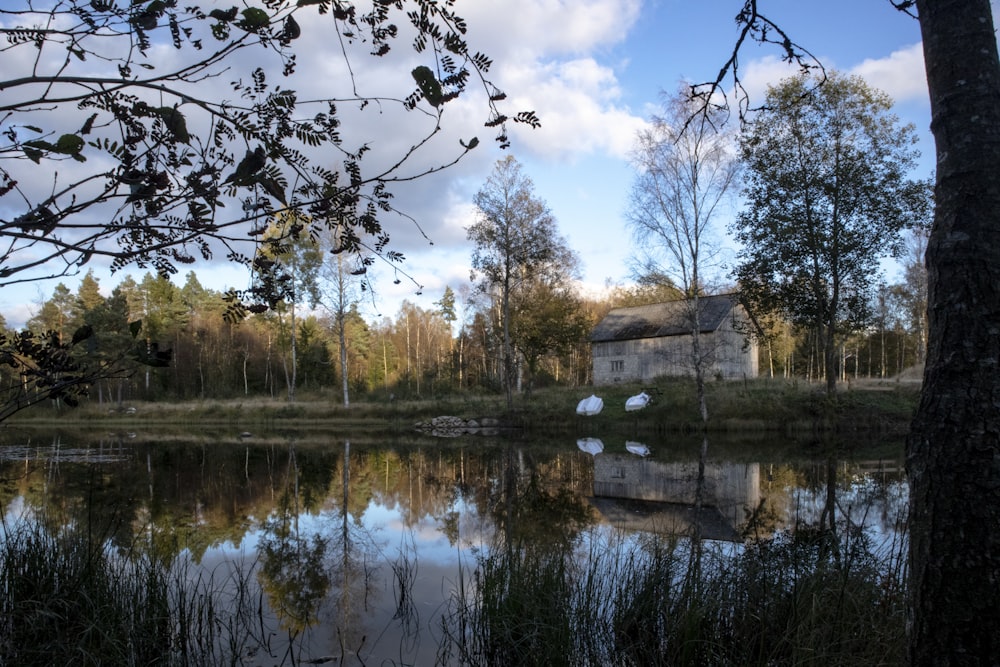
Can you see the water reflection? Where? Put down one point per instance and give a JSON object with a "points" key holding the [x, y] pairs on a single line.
{"points": [[357, 546], [675, 497]]}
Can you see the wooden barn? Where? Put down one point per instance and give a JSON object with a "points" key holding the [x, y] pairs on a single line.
{"points": [[641, 343]]}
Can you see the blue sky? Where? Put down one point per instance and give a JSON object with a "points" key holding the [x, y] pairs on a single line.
{"points": [[593, 71], [578, 159]]}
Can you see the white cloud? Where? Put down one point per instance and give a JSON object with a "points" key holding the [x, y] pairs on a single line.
{"points": [[548, 56], [577, 102], [901, 74], [761, 73], [525, 29]]}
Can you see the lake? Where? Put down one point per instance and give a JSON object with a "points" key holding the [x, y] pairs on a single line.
{"points": [[363, 550]]}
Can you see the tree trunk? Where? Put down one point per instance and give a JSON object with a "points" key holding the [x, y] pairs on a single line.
{"points": [[508, 361], [293, 382], [342, 339], [953, 452], [697, 356], [461, 360], [385, 365], [829, 356]]}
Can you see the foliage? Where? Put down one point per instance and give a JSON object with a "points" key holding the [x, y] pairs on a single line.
{"points": [[286, 277], [548, 319], [160, 133], [647, 290], [339, 288], [415, 353], [827, 197], [516, 246], [46, 367]]}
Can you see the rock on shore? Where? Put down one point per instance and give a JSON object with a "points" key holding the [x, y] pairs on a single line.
{"points": [[452, 427]]}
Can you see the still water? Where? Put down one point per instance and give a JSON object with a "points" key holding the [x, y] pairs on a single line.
{"points": [[358, 548]]}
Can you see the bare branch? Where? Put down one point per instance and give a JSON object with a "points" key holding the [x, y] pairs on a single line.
{"points": [[754, 27]]}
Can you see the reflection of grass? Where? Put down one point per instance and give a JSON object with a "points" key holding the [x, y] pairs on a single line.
{"points": [[790, 600], [70, 599]]}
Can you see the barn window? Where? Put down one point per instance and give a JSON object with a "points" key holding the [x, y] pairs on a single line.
{"points": [[617, 366]]}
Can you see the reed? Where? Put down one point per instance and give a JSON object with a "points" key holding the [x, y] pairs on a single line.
{"points": [[67, 597], [808, 598]]}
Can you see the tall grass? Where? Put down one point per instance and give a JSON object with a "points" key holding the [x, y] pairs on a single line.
{"points": [[806, 598], [68, 598], [809, 597]]}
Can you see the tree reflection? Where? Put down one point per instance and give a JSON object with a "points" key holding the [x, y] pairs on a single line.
{"points": [[348, 566], [527, 511], [546, 548], [293, 572]]}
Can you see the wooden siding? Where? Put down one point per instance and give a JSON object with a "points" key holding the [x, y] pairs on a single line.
{"points": [[641, 344]]}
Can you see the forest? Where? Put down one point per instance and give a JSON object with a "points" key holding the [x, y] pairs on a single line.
{"points": [[416, 353]]}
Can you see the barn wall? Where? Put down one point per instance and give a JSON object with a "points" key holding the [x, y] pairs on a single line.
{"points": [[644, 359]]}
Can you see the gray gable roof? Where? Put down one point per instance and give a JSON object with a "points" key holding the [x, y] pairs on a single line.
{"points": [[662, 319]]}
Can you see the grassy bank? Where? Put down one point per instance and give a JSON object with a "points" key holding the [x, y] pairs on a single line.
{"points": [[779, 406]]}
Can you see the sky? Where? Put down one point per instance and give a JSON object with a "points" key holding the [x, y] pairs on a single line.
{"points": [[593, 71]]}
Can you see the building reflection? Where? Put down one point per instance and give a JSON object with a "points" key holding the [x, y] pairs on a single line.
{"points": [[639, 493]]}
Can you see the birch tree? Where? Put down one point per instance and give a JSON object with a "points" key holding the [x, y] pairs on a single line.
{"points": [[685, 173]]}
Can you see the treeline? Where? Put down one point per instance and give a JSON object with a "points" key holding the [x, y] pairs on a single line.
{"points": [[417, 353], [176, 343]]}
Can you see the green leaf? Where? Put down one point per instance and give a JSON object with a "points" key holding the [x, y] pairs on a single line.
{"points": [[226, 15], [175, 122], [83, 333], [69, 144], [291, 30], [254, 18], [272, 188], [428, 85], [33, 154], [40, 144], [89, 124]]}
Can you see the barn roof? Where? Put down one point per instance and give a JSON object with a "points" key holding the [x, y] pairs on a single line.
{"points": [[662, 319]]}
